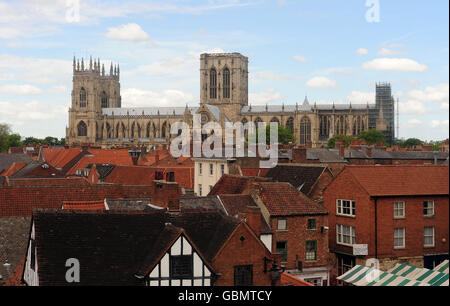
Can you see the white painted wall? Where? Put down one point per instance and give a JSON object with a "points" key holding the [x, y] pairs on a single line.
{"points": [[30, 276], [205, 178]]}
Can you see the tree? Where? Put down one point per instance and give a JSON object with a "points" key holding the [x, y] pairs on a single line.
{"points": [[372, 136], [285, 135], [32, 140], [5, 131], [411, 142], [51, 141], [14, 140], [346, 139]]}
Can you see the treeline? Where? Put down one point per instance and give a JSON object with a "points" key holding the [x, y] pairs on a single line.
{"points": [[9, 139]]}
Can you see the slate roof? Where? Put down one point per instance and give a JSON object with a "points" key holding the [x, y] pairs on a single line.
{"points": [[302, 177], [282, 199], [400, 155], [402, 180], [113, 247], [13, 168], [14, 234], [210, 203], [131, 204], [324, 156], [6, 160], [38, 169], [103, 170], [234, 184]]}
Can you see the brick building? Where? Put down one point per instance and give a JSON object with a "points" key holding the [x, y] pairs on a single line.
{"points": [[400, 213]]}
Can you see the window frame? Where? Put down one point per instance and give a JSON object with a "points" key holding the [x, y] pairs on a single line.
{"points": [[397, 247], [284, 255], [200, 169], [340, 235], [280, 229], [403, 209], [308, 225], [211, 169], [340, 208], [240, 277], [428, 208], [314, 258], [433, 237], [173, 261]]}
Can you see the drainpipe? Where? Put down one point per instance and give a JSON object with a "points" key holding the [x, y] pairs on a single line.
{"points": [[435, 153]]}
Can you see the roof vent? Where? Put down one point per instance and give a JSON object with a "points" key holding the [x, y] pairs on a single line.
{"points": [[45, 166]]}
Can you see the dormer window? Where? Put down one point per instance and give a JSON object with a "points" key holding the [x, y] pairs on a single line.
{"points": [[181, 267]]}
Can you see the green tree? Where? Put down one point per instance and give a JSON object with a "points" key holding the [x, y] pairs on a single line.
{"points": [[346, 139], [372, 136], [14, 140], [51, 141], [285, 135], [411, 142], [32, 140], [5, 131]]}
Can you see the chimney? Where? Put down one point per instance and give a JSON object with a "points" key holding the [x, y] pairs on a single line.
{"points": [[380, 146], [369, 151], [253, 219], [309, 144], [427, 148], [356, 145], [135, 160], [299, 155], [342, 151], [165, 194], [338, 144]]}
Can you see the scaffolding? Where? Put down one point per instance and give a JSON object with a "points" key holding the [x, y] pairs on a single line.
{"points": [[386, 102]]}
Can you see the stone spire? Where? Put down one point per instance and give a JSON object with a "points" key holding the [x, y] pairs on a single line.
{"points": [[90, 64]]}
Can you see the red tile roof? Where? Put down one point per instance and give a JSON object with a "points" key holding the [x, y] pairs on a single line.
{"points": [[131, 175], [84, 205], [402, 180], [101, 156], [59, 157], [234, 184], [13, 169], [15, 279], [254, 172], [290, 280], [236, 203], [27, 182], [282, 199]]}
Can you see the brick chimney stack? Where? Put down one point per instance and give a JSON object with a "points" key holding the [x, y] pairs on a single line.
{"points": [[369, 151], [342, 151], [165, 194], [299, 155], [253, 219]]}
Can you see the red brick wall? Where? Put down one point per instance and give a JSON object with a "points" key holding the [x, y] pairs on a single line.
{"points": [[316, 193], [296, 236], [237, 253]]}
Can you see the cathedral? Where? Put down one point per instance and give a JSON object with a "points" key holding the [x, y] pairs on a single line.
{"points": [[96, 115]]}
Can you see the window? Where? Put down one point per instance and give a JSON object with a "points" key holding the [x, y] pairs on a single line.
{"points": [[345, 234], [226, 83], [428, 236], [211, 169], [399, 238], [311, 224], [282, 224], [200, 168], [311, 250], [213, 84], [210, 188], [305, 131], [104, 100], [399, 210], [83, 99], [181, 267], [200, 191], [345, 208], [281, 248], [243, 276], [314, 281], [82, 129], [428, 208], [290, 124], [222, 169]]}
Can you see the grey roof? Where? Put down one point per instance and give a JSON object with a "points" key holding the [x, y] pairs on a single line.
{"points": [[402, 155], [344, 106], [131, 204], [260, 109], [6, 160], [305, 107], [211, 203], [148, 111], [14, 233], [324, 156]]}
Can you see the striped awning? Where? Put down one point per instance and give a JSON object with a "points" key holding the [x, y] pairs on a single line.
{"points": [[365, 276], [432, 277], [443, 267]]}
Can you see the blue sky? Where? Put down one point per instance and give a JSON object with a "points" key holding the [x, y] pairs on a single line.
{"points": [[325, 49]]}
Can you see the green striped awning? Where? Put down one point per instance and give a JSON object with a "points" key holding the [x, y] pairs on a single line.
{"points": [[432, 277], [443, 267]]}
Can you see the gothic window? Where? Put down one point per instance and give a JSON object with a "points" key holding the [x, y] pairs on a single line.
{"points": [[132, 130], [82, 129], [139, 131], [117, 130], [290, 124], [147, 134], [324, 126], [83, 97], [275, 120], [213, 84], [104, 100], [226, 83], [124, 130], [154, 131], [305, 130], [108, 130]]}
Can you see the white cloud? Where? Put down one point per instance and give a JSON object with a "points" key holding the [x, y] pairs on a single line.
{"points": [[438, 93], [33, 111], [321, 82], [134, 97], [388, 52], [395, 64], [412, 107], [20, 90], [445, 106], [414, 122], [439, 124], [130, 31], [178, 66], [358, 97], [362, 51], [301, 59], [265, 97]]}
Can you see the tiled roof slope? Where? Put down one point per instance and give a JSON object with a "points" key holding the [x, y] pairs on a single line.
{"points": [[14, 234], [100, 156], [114, 247], [38, 169], [60, 157], [131, 175], [6, 160], [20, 201], [297, 176], [13, 168], [84, 205], [282, 199], [28, 182], [233, 184], [402, 180]]}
